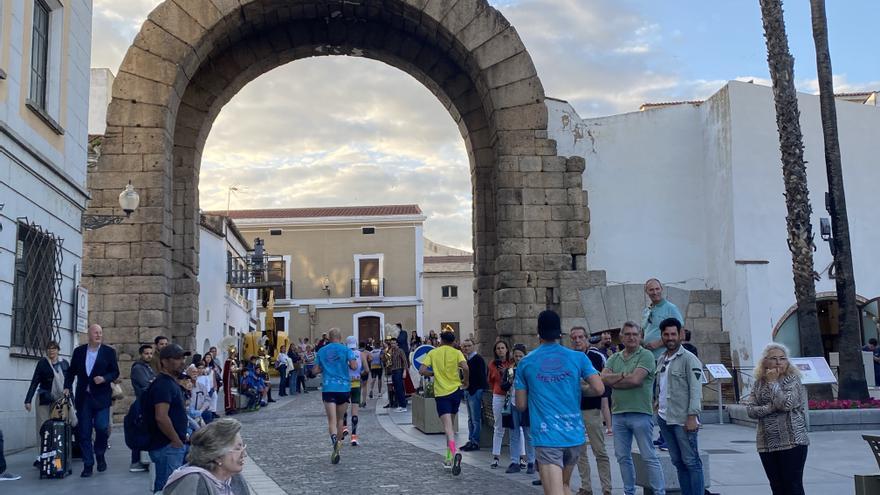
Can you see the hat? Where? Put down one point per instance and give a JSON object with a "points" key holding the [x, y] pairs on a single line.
{"points": [[173, 351], [351, 342], [549, 326]]}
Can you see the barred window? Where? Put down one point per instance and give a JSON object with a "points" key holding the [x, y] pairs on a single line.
{"points": [[36, 312]]}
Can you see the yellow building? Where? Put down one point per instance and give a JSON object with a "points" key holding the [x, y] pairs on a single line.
{"points": [[355, 268]]}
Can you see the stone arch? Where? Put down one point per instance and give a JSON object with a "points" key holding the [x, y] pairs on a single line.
{"points": [[192, 56]]}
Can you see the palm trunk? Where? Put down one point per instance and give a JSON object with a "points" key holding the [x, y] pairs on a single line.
{"points": [[851, 374], [794, 173]]}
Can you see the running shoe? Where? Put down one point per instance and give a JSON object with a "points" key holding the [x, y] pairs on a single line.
{"points": [[513, 468], [344, 431], [494, 464], [334, 457], [456, 464], [354, 441], [400, 410], [7, 476]]}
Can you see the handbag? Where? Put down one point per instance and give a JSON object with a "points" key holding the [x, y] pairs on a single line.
{"points": [[116, 391], [507, 413]]}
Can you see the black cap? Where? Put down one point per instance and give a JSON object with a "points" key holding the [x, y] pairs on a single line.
{"points": [[173, 351], [549, 326]]}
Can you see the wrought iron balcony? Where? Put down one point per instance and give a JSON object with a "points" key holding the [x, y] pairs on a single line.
{"points": [[368, 287]]}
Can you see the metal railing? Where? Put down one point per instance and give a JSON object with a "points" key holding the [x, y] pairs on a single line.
{"points": [[256, 272], [372, 287]]}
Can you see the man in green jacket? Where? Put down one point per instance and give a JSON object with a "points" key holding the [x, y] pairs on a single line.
{"points": [[679, 395]]}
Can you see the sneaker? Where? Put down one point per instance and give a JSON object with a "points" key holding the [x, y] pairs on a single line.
{"points": [[456, 464], [344, 431], [494, 464], [467, 447], [400, 410], [663, 448], [334, 456], [354, 441], [102, 464], [536, 482], [659, 441], [136, 467], [513, 468], [522, 463], [530, 468], [9, 477]]}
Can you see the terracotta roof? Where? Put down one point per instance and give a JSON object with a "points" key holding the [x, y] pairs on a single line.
{"points": [[327, 211], [449, 259], [860, 93]]}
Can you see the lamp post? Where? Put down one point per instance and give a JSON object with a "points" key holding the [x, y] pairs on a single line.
{"points": [[129, 200]]}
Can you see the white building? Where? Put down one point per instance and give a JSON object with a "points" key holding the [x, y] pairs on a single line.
{"points": [[448, 289], [692, 193], [223, 311], [44, 94]]}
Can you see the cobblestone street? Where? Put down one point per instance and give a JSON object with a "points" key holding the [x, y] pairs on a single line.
{"points": [[289, 442]]}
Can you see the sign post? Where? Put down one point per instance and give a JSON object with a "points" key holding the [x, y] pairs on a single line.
{"points": [[82, 309], [719, 372], [814, 371]]}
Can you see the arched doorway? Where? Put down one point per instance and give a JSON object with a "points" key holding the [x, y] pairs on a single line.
{"points": [[827, 311], [192, 56], [369, 325]]}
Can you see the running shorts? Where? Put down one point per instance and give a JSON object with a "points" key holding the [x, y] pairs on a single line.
{"points": [[376, 372], [355, 395], [335, 397], [560, 456], [448, 404]]}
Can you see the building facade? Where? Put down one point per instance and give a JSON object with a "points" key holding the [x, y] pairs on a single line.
{"points": [[448, 282], [223, 311], [355, 268], [692, 194], [44, 92]]}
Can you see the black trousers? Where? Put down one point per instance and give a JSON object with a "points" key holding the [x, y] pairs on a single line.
{"points": [[785, 470], [282, 384], [2, 457]]}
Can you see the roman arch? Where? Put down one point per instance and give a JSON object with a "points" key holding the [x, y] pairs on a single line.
{"points": [[530, 219]]}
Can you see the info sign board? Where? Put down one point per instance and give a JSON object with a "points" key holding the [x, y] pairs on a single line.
{"points": [[82, 309], [718, 371], [814, 370]]}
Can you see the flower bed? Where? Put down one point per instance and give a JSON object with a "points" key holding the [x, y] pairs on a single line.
{"points": [[821, 405]]}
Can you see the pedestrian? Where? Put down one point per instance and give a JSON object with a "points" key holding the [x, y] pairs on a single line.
{"points": [[5, 475], [449, 368], [376, 369], [680, 400], [364, 351], [158, 343], [399, 362], [215, 462], [282, 365], [631, 373], [321, 343], [402, 339], [606, 344], [93, 366], [296, 376], [500, 399], [548, 384], [591, 412], [478, 382], [48, 384], [204, 394], [520, 432], [334, 362], [165, 413], [142, 374], [777, 402], [213, 370], [354, 397], [874, 349], [232, 378]]}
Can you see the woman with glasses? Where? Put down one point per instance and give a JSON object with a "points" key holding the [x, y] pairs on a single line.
{"points": [[215, 460], [777, 402], [48, 384]]}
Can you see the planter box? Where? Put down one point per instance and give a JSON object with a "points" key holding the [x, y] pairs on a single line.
{"points": [[424, 416], [821, 420], [669, 472]]}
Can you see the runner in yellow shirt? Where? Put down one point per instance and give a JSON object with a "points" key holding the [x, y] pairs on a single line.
{"points": [[444, 363]]}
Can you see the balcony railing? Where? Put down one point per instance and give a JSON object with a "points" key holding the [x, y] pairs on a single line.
{"points": [[256, 272], [372, 287]]}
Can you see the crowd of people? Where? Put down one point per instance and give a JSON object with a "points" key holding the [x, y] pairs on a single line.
{"points": [[554, 402]]}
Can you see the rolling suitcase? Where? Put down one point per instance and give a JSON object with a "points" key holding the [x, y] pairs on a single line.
{"points": [[55, 449]]}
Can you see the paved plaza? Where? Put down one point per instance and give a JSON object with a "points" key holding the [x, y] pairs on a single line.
{"points": [[289, 453]]}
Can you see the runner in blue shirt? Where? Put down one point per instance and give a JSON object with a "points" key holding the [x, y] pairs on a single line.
{"points": [[334, 361], [549, 382]]}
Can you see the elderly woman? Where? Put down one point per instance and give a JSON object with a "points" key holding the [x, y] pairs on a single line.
{"points": [[48, 383], [777, 402], [215, 461]]}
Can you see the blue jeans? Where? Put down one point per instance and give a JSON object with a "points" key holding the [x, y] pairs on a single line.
{"points": [[685, 456], [165, 461], [399, 390], [475, 415], [282, 383], [520, 432], [641, 427], [91, 417]]}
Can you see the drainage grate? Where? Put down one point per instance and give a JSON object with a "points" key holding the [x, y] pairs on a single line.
{"points": [[722, 451]]}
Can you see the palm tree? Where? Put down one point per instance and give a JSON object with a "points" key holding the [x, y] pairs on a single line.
{"points": [[794, 173], [851, 373]]}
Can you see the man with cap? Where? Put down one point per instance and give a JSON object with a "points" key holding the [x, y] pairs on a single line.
{"points": [[548, 384], [354, 397], [165, 413], [444, 363]]}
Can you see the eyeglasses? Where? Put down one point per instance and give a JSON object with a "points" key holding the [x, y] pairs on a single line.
{"points": [[778, 359], [239, 449]]}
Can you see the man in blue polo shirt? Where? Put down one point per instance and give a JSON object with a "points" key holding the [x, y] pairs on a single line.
{"points": [[334, 361], [549, 383]]}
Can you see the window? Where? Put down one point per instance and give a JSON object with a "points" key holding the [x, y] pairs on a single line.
{"points": [[369, 283], [278, 273], [36, 312], [449, 291], [40, 55], [368, 230], [279, 324]]}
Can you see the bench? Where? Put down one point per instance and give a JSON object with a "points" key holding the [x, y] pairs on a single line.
{"points": [[670, 474], [867, 484]]}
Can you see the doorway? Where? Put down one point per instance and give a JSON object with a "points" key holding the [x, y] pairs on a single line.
{"points": [[368, 328]]}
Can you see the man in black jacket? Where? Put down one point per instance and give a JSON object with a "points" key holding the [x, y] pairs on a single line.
{"points": [[141, 376], [479, 381], [94, 367]]}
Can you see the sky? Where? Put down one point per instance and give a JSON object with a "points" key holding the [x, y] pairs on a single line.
{"points": [[333, 131]]}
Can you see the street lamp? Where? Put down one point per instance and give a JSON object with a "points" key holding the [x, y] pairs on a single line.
{"points": [[129, 200]]}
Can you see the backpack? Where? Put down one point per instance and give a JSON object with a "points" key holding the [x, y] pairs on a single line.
{"points": [[135, 425]]}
